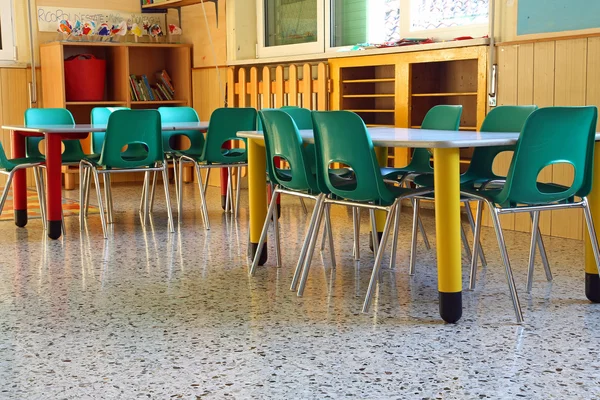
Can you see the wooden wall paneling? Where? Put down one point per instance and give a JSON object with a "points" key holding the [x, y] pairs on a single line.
{"points": [[279, 87], [524, 97], [402, 90], [307, 87], [543, 96], [254, 92], [242, 88], [592, 96], [507, 95], [322, 104], [231, 84], [482, 87], [293, 85], [53, 71], [266, 88], [195, 31], [569, 89]]}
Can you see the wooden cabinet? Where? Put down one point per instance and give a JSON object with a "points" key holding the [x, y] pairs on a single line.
{"points": [[122, 60], [398, 89]]}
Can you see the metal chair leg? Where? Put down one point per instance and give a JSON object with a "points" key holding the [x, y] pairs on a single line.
{"points": [[307, 240], [263, 236], [88, 184], [276, 234], [395, 236], [311, 248], [374, 231], [207, 179], [413, 241], [39, 188], [100, 203], [5, 191], [377, 267], [509, 275], [465, 241], [146, 212], [303, 205], [202, 197], [535, 219], [469, 213], [543, 255], [82, 172], [143, 198], [420, 222], [356, 226], [175, 179], [165, 174], [329, 233], [238, 187], [476, 245], [108, 196], [229, 198], [591, 231], [152, 191]]}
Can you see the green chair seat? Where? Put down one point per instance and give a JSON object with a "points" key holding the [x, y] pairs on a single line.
{"points": [[10, 164]]}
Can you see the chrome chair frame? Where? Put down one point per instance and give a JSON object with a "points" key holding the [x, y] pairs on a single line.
{"points": [[38, 185], [94, 169], [534, 212]]}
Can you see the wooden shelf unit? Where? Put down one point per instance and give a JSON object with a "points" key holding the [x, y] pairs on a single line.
{"points": [[398, 89], [122, 60], [171, 4]]}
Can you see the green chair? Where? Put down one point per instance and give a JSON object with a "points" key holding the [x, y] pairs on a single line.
{"points": [[542, 143], [125, 128], [480, 174], [283, 142], [222, 128], [10, 166], [72, 154], [342, 137]]}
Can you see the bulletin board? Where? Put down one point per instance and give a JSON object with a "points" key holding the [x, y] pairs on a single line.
{"points": [[546, 16]]}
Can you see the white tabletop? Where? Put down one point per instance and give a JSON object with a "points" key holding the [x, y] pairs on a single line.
{"points": [[422, 138], [87, 128]]}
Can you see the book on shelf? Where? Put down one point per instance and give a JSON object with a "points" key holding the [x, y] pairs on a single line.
{"points": [[141, 89]]}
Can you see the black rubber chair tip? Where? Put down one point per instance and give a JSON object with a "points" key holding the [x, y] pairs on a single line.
{"points": [[54, 229], [592, 287], [20, 218], [264, 255], [451, 306], [379, 236]]}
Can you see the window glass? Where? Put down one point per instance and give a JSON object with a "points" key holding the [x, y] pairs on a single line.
{"points": [[440, 14], [290, 22], [364, 21]]}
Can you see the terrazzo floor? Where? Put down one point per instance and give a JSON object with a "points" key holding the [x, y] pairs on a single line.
{"points": [[148, 314]]}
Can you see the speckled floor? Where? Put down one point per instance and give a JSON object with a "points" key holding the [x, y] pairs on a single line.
{"points": [[148, 314]]}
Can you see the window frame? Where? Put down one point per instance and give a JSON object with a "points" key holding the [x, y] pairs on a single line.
{"points": [[7, 53], [263, 51]]}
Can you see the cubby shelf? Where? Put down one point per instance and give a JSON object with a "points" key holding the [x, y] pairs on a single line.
{"points": [[171, 4], [374, 80], [444, 94], [361, 96], [158, 102], [96, 103]]}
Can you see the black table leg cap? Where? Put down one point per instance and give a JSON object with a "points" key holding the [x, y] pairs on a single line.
{"points": [[264, 255], [54, 229], [20, 218], [451, 306], [223, 201], [592, 287]]}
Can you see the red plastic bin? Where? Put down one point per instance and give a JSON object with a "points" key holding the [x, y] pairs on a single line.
{"points": [[85, 78]]}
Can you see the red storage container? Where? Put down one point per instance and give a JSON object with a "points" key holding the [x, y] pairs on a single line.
{"points": [[85, 78]]}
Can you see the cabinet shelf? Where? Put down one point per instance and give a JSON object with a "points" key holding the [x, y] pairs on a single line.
{"points": [[171, 4], [359, 96], [374, 80], [444, 94], [95, 103], [151, 102]]}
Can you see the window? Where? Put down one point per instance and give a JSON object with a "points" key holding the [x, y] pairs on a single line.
{"points": [[7, 44], [293, 27]]}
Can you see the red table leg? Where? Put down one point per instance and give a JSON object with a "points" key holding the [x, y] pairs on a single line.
{"points": [[19, 182], [54, 185]]}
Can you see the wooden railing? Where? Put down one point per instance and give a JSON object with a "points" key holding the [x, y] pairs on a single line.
{"points": [[304, 85]]}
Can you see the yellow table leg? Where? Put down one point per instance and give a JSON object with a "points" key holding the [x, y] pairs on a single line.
{"points": [[382, 158], [257, 194], [447, 223], [592, 280]]}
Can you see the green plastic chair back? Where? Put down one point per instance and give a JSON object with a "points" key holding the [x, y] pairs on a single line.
{"points": [[132, 127], [223, 127], [341, 136], [499, 119], [302, 116], [181, 114], [443, 117], [552, 135], [99, 115], [52, 116], [283, 140]]}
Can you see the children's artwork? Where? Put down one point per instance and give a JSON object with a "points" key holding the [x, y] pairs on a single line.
{"points": [[77, 29], [175, 30], [136, 31], [104, 31], [64, 27], [155, 31], [119, 30]]}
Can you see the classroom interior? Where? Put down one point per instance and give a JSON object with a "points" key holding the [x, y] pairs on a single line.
{"points": [[150, 311]]}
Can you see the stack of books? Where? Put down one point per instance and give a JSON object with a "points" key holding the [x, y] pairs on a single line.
{"points": [[141, 89]]}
